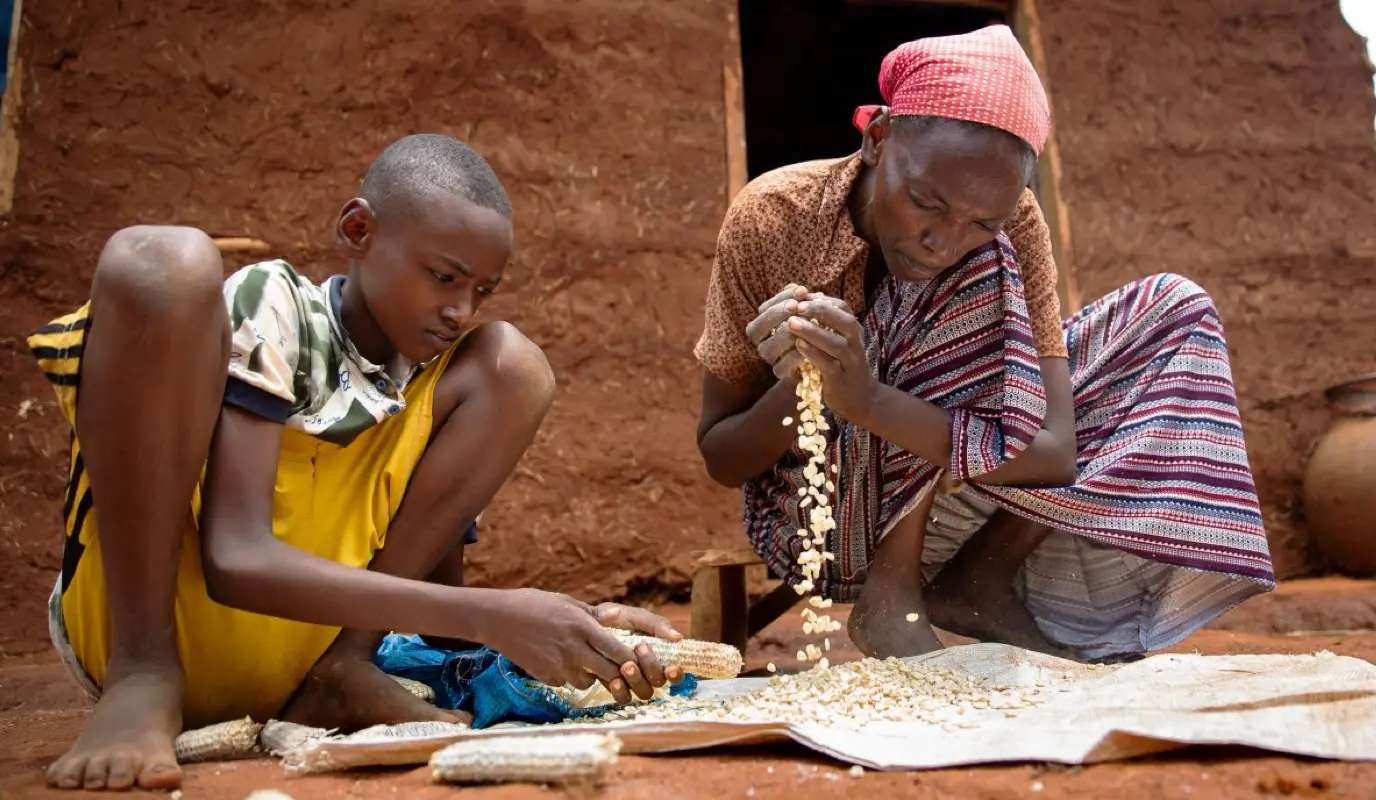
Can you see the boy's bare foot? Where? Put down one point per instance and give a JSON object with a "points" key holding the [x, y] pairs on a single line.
{"points": [[349, 694], [127, 741], [879, 624], [979, 611]]}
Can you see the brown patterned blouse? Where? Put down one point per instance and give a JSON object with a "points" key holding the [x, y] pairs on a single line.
{"points": [[792, 225]]}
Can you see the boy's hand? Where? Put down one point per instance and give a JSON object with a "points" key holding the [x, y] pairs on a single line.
{"points": [[560, 640], [650, 675]]}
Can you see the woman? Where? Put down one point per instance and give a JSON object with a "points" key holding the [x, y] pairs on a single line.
{"points": [[1079, 488]]}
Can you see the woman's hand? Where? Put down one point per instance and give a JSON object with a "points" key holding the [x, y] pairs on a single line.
{"points": [[835, 345], [773, 341]]}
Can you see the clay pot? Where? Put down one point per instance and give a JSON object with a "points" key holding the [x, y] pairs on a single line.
{"points": [[1340, 481]]}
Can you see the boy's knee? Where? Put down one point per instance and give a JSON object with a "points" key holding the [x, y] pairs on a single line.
{"points": [[157, 269], [514, 366]]}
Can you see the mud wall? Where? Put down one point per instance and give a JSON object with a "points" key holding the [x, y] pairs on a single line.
{"points": [[1231, 142], [605, 122]]}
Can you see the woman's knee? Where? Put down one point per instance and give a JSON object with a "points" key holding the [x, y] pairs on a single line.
{"points": [[160, 271], [1177, 291]]}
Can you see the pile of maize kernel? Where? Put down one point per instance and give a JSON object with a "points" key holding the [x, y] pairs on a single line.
{"points": [[852, 695], [812, 428]]}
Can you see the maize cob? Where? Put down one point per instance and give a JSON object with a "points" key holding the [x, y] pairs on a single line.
{"points": [[709, 660], [220, 742], [563, 758], [280, 737], [416, 688]]}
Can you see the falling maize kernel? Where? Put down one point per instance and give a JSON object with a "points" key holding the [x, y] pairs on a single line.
{"points": [[788, 421], [770, 666], [913, 617]]}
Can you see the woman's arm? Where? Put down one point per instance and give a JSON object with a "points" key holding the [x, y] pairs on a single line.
{"points": [[924, 429], [741, 432], [918, 426]]}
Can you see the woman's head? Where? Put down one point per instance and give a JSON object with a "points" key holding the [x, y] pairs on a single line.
{"points": [[951, 154]]}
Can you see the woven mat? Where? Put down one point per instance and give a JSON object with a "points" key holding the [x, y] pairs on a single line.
{"points": [[1318, 705]]}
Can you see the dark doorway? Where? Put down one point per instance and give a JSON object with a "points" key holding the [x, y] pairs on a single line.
{"points": [[807, 64]]}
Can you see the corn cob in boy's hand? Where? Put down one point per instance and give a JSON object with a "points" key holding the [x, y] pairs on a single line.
{"points": [[708, 660]]}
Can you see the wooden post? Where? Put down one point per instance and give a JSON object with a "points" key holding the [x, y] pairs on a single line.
{"points": [[1027, 24], [9, 116], [733, 105]]}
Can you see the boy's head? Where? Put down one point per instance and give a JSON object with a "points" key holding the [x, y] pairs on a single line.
{"points": [[429, 235]]}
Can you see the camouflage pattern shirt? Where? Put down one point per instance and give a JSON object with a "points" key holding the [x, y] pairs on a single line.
{"points": [[291, 361]]}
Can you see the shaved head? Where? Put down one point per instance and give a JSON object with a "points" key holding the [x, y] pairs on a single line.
{"points": [[418, 165]]}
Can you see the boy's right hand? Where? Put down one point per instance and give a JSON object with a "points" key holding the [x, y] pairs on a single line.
{"points": [[560, 640]]}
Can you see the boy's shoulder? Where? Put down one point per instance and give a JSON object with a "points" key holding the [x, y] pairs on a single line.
{"points": [[274, 287]]}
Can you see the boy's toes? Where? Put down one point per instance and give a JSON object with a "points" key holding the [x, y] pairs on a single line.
{"points": [[161, 775], [67, 773], [121, 774], [97, 773]]}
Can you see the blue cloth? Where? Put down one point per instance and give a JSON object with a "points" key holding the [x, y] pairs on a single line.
{"points": [[486, 684]]}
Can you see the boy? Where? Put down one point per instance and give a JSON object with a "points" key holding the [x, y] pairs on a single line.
{"points": [[312, 460]]}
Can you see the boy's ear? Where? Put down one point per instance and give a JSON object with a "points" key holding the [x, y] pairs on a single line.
{"points": [[355, 228]]}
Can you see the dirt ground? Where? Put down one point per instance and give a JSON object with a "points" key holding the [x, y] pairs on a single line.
{"points": [[41, 710]]}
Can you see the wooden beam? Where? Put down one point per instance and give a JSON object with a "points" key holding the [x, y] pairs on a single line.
{"points": [[1027, 24], [733, 105], [9, 115]]}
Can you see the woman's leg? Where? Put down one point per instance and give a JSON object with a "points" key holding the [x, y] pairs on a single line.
{"points": [[879, 624], [973, 594]]}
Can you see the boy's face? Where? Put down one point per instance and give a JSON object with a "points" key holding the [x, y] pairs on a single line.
{"points": [[426, 267]]}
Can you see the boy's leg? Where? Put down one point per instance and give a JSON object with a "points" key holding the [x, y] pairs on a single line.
{"points": [[973, 594], [152, 378], [879, 624], [488, 406]]}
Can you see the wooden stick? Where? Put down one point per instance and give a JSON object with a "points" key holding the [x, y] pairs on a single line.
{"points": [[1029, 27], [733, 106], [9, 117], [242, 244]]}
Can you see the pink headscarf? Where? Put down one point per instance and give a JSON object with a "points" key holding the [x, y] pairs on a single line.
{"points": [[982, 76]]}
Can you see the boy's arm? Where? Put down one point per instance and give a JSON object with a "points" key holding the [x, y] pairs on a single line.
{"points": [[553, 637], [247, 567]]}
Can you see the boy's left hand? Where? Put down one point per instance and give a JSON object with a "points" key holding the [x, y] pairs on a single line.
{"points": [[644, 676]]}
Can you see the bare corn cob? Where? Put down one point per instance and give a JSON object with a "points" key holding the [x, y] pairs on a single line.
{"points": [[709, 660], [416, 688], [536, 759], [220, 742]]}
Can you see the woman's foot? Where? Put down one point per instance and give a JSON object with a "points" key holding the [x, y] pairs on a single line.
{"points": [[880, 628], [981, 612], [127, 741], [349, 694]]}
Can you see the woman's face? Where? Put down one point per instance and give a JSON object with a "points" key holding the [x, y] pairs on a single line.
{"points": [[942, 189]]}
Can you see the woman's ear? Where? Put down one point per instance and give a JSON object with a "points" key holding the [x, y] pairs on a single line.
{"points": [[876, 132]]}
